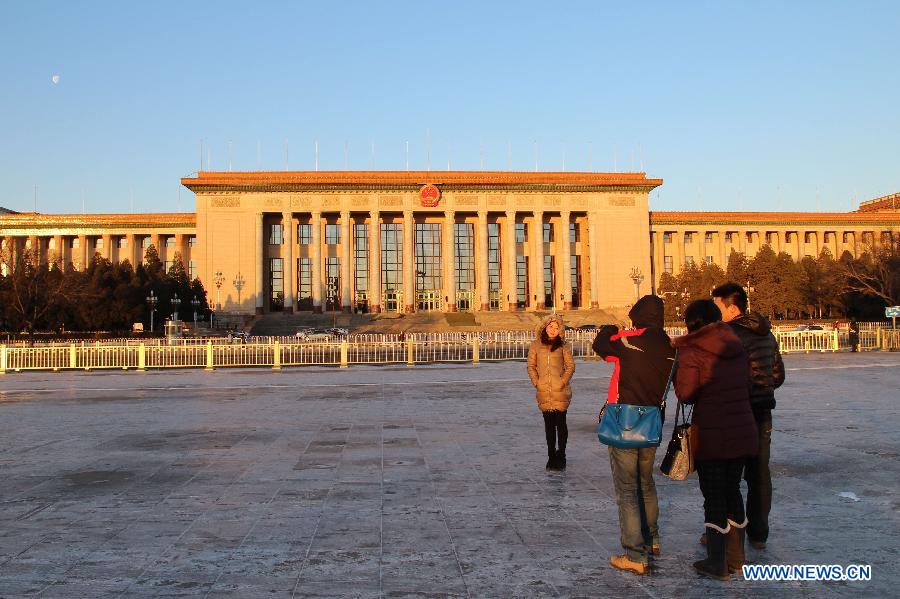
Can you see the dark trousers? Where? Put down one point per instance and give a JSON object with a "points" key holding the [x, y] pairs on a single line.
{"points": [[556, 431], [720, 483], [759, 481]]}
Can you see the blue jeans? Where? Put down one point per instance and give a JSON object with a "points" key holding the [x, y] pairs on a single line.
{"points": [[632, 474]]}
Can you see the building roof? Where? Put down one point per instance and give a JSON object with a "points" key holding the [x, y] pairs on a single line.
{"points": [[6, 210], [33, 220], [205, 180], [775, 219], [889, 203]]}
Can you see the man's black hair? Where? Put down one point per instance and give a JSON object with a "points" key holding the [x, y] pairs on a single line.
{"points": [[700, 313], [732, 294]]}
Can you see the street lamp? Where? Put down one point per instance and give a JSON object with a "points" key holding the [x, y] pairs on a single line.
{"points": [[218, 279], [175, 303], [638, 278], [196, 303], [239, 282], [152, 300], [748, 289]]}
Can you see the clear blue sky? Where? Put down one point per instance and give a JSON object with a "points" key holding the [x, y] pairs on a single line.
{"points": [[760, 106]]}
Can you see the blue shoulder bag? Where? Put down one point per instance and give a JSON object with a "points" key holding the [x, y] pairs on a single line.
{"points": [[628, 427]]}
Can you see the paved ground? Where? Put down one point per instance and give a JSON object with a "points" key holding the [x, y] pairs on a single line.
{"points": [[426, 481]]}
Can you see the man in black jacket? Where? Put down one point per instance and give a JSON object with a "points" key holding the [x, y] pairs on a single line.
{"points": [[643, 358], [767, 374]]}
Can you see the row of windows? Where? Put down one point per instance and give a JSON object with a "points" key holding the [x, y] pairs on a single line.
{"points": [[122, 242], [333, 233], [770, 237]]}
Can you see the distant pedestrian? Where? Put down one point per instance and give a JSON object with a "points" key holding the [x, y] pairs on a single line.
{"points": [[714, 376], [643, 358], [854, 335], [766, 375], [550, 367]]}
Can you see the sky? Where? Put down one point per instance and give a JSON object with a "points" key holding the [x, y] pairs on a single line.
{"points": [[735, 105]]}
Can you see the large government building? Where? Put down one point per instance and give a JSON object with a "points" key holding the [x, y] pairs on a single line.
{"points": [[429, 240]]}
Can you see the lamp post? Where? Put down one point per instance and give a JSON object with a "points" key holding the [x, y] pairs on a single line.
{"points": [[638, 278], [239, 282], [748, 289], [218, 279], [175, 303], [196, 303], [152, 300]]}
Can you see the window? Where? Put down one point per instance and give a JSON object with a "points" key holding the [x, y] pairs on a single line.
{"points": [[428, 256], [521, 233], [667, 237], [688, 260], [575, 278], [304, 234], [493, 242], [548, 232], [276, 282], [192, 270], [145, 242], [391, 256], [886, 237], [708, 260], [192, 241], [168, 264], [99, 244], [304, 300], [807, 237], [769, 237], [464, 258], [728, 237], [170, 242], [522, 281], [332, 283], [332, 234], [122, 242], [847, 237], [688, 237], [76, 243], [749, 236], [549, 280], [574, 233], [667, 264], [708, 237], [361, 256], [276, 234]]}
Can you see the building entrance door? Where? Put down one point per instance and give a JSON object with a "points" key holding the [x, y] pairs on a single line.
{"points": [[428, 300], [393, 300]]}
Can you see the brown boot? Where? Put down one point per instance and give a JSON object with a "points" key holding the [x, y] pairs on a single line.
{"points": [[734, 548]]}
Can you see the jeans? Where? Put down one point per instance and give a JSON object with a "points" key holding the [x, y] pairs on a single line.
{"points": [[555, 426], [720, 483], [632, 474], [759, 481]]}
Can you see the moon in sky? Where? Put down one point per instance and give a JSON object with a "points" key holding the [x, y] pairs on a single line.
{"points": [[55, 79]]}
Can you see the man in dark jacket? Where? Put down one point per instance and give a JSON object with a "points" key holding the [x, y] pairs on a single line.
{"points": [[766, 375], [643, 358]]}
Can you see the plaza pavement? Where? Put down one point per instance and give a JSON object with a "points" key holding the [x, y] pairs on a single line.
{"points": [[395, 481]]}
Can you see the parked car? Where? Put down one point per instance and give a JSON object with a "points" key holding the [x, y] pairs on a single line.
{"points": [[304, 331], [337, 332], [238, 337], [810, 327], [313, 335]]}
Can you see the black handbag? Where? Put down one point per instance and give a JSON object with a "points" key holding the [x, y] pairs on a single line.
{"points": [[678, 462]]}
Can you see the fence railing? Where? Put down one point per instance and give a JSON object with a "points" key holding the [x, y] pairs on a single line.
{"points": [[412, 350]]}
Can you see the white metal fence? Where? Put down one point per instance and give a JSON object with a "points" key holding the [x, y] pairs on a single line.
{"points": [[418, 348]]}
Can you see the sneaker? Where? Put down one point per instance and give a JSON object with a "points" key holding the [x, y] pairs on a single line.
{"points": [[622, 562]]}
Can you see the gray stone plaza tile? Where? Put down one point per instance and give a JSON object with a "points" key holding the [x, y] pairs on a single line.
{"points": [[404, 482]]}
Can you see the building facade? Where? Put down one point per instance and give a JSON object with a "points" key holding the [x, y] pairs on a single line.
{"points": [[420, 241]]}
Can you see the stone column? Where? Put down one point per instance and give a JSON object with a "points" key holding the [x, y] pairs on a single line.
{"points": [[481, 263], [60, 250], [509, 261], [537, 263], [409, 263], [131, 242], [181, 247], [593, 259], [374, 262], [315, 225], [448, 256], [82, 252], [678, 266], [34, 248], [156, 241], [260, 266], [107, 247], [290, 265], [346, 277], [720, 249], [564, 270]]}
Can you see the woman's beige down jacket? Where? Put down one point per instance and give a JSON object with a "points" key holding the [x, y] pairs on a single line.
{"points": [[550, 373]]}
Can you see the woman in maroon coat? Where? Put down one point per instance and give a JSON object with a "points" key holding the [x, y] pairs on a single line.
{"points": [[713, 374]]}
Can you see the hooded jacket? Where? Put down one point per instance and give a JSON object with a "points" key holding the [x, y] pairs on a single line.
{"points": [[550, 370], [642, 356], [713, 374], [766, 366]]}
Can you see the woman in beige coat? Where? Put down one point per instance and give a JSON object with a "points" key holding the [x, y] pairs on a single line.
{"points": [[550, 367]]}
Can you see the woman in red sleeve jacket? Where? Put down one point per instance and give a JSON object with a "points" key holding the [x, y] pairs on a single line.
{"points": [[713, 374]]}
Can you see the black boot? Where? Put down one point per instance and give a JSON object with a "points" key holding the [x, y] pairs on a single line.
{"points": [[561, 459], [714, 565], [551, 459]]}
